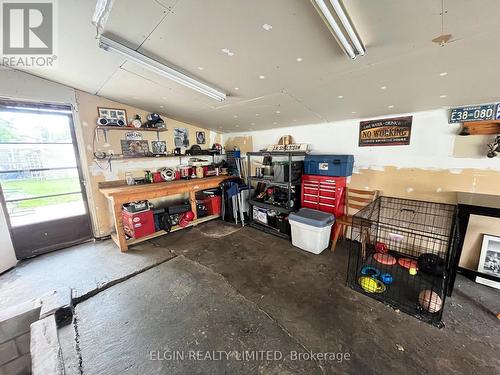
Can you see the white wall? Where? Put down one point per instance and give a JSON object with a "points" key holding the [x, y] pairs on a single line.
{"points": [[431, 145]]}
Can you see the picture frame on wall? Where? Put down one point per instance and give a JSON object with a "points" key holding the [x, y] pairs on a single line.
{"points": [[159, 147], [134, 148], [489, 260], [200, 138], [112, 113], [181, 137]]}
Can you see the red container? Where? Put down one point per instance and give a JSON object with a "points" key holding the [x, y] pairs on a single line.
{"points": [[157, 177], [324, 193], [138, 224], [213, 204]]}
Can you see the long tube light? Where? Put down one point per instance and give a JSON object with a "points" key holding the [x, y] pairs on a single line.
{"points": [[335, 28], [110, 45]]}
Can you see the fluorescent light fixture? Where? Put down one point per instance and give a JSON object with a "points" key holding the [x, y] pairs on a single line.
{"points": [[351, 43], [159, 68]]}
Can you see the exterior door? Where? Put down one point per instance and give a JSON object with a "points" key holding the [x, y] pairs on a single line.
{"points": [[41, 180]]}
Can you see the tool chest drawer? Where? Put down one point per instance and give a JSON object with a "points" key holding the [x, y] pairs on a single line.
{"points": [[324, 193]]}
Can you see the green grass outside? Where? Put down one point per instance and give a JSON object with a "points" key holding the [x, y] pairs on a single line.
{"points": [[33, 188]]}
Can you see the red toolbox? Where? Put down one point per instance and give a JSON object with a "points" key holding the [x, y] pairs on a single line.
{"points": [[324, 193], [138, 224]]}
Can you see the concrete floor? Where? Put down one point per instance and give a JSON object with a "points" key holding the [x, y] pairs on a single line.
{"points": [[220, 288]]}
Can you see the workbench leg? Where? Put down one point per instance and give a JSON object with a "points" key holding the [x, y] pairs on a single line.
{"points": [[192, 200], [120, 233]]}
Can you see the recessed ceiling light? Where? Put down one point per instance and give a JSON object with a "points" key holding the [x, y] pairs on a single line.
{"points": [[278, 112], [390, 106], [236, 126], [236, 88], [353, 112], [443, 96], [235, 116], [267, 27], [299, 59], [162, 106], [262, 77], [257, 114], [275, 123], [383, 87], [340, 96], [220, 127], [252, 123], [201, 68], [164, 97], [442, 74], [294, 120]]}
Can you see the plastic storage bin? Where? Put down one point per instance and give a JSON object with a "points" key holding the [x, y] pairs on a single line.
{"points": [[329, 165], [311, 229]]}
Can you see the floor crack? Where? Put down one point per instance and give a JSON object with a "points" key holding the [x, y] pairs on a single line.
{"points": [[103, 287], [77, 344]]}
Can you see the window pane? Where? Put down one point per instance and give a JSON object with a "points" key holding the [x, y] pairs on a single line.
{"points": [[45, 209], [42, 183], [34, 127], [17, 157]]}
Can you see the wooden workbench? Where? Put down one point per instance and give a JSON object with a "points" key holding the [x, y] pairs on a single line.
{"points": [[118, 195]]}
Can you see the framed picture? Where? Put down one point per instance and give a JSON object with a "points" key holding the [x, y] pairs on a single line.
{"points": [[200, 138], [112, 113], [489, 261], [159, 147], [134, 148], [181, 137]]}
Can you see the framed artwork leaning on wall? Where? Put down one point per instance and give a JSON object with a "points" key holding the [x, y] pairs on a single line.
{"points": [[489, 260]]}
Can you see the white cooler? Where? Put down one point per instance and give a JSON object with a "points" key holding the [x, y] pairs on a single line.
{"points": [[311, 229]]}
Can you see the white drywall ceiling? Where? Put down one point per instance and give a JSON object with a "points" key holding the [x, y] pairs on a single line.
{"points": [[191, 33]]}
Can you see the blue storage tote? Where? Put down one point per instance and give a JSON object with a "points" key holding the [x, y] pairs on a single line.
{"points": [[329, 165]]}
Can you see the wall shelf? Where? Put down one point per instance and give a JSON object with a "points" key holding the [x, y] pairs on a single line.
{"points": [[480, 128], [105, 129], [129, 128]]}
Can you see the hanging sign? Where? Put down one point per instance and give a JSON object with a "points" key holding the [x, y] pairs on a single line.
{"points": [[482, 112], [386, 132], [133, 136], [291, 147]]}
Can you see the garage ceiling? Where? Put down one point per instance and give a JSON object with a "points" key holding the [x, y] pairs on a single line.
{"points": [[324, 86]]}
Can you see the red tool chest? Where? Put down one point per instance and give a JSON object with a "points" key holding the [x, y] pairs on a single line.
{"points": [[138, 224], [324, 193]]}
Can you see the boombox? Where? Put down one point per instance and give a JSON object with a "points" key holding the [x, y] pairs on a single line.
{"points": [[111, 121]]}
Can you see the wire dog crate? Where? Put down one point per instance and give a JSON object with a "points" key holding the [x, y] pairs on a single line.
{"points": [[402, 254]]}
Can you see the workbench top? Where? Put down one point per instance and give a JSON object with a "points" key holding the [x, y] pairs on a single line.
{"points": [[177, 184]]}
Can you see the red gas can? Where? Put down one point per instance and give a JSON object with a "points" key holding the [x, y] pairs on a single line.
{"points": [[213, 204]]}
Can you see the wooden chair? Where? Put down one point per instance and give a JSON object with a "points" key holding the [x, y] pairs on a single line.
{"points": [[356, 200]]}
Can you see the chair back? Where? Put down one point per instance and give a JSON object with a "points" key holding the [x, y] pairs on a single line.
{"points": [[357, 199]]}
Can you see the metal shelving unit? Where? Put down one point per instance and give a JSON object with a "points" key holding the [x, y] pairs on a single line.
{"points": [[287, 185]]}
